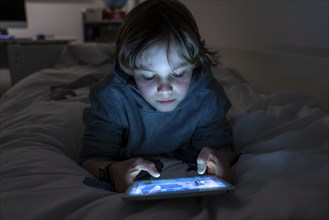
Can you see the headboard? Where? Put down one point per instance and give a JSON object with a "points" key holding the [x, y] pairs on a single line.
{"points": [[281, 72]]}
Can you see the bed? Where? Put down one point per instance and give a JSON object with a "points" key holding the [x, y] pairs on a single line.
{"points": [[282, 140]]}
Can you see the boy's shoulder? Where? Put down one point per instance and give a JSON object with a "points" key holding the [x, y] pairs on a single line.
{"points": [[215, 86], [214, 90], [112, 86], [208, 83], [113, 82]]}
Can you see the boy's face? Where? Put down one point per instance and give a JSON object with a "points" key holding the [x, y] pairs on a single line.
{"points": [[163, 78]]}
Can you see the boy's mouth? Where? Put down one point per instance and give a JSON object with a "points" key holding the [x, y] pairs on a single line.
{"points": [[166, 101]]}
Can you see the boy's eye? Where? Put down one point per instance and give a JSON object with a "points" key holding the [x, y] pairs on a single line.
{"points": [[149, 77], [176, 75]]}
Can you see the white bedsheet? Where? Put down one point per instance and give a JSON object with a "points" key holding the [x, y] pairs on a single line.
{"points": [[282, 172]]}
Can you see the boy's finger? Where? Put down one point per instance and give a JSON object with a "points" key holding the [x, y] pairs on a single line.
{"points": [[202, 166], [154, 173], [202, 160], [150, 168]]}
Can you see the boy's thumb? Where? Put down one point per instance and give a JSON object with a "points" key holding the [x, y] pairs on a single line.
{"points": [[202, 166], [154, 173]]}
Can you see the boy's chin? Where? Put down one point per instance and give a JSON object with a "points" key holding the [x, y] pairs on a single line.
{"points": [[165, 108]]}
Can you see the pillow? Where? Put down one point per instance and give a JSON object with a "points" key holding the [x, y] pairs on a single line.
{"points": [[93, 54]]}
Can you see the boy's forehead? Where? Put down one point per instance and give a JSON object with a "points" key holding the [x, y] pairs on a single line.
{"points": [[161, 53]]}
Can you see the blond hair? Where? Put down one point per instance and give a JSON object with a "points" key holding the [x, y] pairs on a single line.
{"points": [[155, 22]]}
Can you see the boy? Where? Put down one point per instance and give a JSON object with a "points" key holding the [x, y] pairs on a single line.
{"points": [[160, 102]]}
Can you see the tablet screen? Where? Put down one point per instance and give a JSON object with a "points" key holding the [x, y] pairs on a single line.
{"points": [[177, 187]]}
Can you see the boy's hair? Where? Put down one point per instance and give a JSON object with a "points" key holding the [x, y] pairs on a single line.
{"points": [[161, 22]]}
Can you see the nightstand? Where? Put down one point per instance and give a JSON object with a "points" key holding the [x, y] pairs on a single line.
{"points": [[21, 57]]}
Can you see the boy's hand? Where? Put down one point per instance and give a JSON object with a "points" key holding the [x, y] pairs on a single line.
{"points": [[123, 173], [216, 162]]}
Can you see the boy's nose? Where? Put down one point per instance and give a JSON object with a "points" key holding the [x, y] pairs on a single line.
{"points": [[164, 87]]}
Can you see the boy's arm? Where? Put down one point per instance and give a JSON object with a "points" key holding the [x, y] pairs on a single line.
{"points": [[93, 164], [216, 152], [104, 127], [214, 135], [121, 173], [214, 130], [102, 138]]}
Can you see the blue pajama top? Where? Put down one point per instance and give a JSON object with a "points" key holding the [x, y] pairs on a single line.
{"points": [[120, 124]]}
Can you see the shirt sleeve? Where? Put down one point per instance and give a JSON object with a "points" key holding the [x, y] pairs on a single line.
{"points": [[214, 130], [104, 129]]}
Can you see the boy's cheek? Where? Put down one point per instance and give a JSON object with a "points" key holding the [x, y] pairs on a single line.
{"points": [[145, 87], [182, 87]]}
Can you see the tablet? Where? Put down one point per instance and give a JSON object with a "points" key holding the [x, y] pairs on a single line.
{"points": [[176, 188]]}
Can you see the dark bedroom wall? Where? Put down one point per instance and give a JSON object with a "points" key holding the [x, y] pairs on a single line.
{"points": [[278, 45], [285, 25]]}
